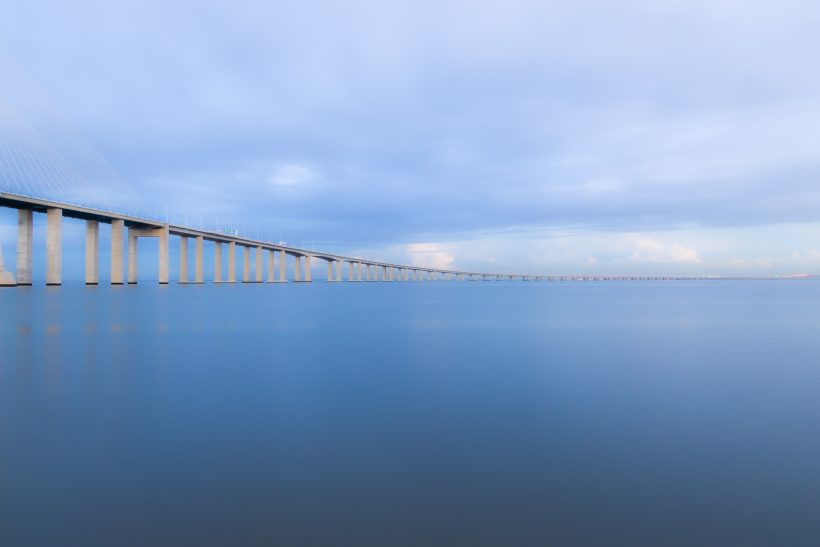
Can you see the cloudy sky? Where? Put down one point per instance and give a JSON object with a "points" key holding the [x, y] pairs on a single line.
{"points": [[519, 135]]}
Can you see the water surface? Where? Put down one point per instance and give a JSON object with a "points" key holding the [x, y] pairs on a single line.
{"points": [[411, 414]]}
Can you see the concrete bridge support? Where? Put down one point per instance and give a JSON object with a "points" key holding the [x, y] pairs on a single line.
{"points": [[308, 274], [339, 265], [359, 266], [133, 238], [183, 259], [297, 269], [25, 241], [92, 252], [258, 264], [117, 252], [271, 266], [199, 276], [246, 264], [54, 247], [217, 262], [282, 266], [331, 269], [132, 257], [231, 262]]}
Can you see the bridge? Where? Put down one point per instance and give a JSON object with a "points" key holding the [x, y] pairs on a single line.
{"points": [[126, 231]]}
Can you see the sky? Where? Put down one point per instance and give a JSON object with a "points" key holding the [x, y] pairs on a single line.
{"points": [[594, 136]]}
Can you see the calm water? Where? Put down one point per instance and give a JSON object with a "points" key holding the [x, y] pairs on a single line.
{"points": [[411, 414]]}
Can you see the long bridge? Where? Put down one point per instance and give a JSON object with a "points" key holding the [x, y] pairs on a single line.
{"points": [[126, 231]]}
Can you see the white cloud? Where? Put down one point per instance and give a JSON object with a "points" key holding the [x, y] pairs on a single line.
{"points": [[292, 174], [647, 249], [430, 255]]}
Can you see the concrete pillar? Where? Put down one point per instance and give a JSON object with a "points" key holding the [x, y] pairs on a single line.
{"points": [[271, 266], [367, 272], [258, 264], [297, 268], [246, 264], [231, 262], [25, 240], [117, 251], [183, 259], [217, 262], [54, 247], [92, 252], [165, 255], [308, 274], [338, 270], [330, 270], [132, 256], [358, 271], [199, 276], [282, 266]]}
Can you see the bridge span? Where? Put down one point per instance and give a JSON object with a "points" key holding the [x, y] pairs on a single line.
{"points": [[126, 231]]}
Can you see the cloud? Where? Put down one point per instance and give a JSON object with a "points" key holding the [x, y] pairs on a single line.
{"points": [[647, 249], [430, 255], [292, 174]]}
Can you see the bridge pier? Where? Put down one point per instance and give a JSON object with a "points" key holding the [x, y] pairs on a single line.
{"points": [[246, 264], [232, 262], [117, 252], [282, 266], [271, 266], [199, 276], [25, 241], [132, 257], [183, 259], [54, 246], [217, 262], [258, 264], [133, 238], [92, 252]]}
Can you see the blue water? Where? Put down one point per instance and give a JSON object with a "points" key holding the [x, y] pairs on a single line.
{"points": [[411, 414]]}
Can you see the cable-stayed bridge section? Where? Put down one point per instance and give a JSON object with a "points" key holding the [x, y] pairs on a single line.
{"points": [[257, 256]]}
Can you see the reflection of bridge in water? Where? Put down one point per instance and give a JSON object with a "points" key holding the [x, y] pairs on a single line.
{"points": [[134, 228]]}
